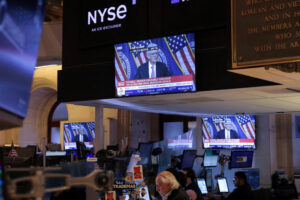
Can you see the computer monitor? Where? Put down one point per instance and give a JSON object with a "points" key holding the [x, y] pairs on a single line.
{"points": [[56, 153], [241, 159], [188, 158], [202, 185], [211, 158], [222, 184], [145, 150], [297, 182], [252, 177]]}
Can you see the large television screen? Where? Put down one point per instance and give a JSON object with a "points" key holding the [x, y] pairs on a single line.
{"points": [[232, 132], [155, 66], [79, 131]]}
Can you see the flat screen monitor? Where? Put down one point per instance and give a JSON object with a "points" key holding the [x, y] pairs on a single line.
{"points": [[202, 185], [79, 131], [188, 158], [252, 176], [56, 153], [229, 132], [297, 182], [145, 150], [155, 66], [222, 184], [241, 159], [211, 158]]}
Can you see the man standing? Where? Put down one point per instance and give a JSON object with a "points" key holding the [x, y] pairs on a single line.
{"points": [[168, 187], [227, 132], [153, 68]]}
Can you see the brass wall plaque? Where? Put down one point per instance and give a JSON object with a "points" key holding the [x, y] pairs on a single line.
{"points": [[265, 32]]}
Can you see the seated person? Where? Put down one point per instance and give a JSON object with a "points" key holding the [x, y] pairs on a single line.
{"points": [[242, 191], [169, 188], [180, 176], [191, 187], [153, 68], [227, 132]]}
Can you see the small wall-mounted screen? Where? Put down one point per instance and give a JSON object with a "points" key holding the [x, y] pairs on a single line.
{"points": [[155, 66], [229, 132], [79, 131]]}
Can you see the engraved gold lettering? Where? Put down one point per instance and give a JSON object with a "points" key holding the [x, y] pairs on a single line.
{"points": [[263, 48], [286, 15], [252, 2], [253, 11], [297, 13], [280, 46], [276, 27], [294, 44], [271, 17], [252, 30], [281, 36], [276, 7], [294, 4]]}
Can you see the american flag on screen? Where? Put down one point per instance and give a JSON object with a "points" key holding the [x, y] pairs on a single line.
{"points": [[219, 123], [246, 125], [13, 152], [205, 131], [67, 134], [140, 56], [120, 74], [91, 126], [182, 52]]}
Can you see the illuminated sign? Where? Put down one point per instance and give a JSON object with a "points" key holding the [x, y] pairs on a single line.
{"points": [[109, 14], [178, 1]]}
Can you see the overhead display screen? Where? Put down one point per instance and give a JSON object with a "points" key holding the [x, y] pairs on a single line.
{"points": [[155, 66], [232, 132], [79, 131]]}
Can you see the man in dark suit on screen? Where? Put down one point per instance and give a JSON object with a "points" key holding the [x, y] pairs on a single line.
{"points": [[153, 68], [81, 137], [227, 132]]}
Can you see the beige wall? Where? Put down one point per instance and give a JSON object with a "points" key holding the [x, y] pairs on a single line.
{"points": [[42, 98]]}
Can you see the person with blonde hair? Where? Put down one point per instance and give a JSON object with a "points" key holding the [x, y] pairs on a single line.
{"points": [[169, 188]]}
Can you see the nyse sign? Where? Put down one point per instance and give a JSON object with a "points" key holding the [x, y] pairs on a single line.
{"points": [[110, 14], [111, 20]]}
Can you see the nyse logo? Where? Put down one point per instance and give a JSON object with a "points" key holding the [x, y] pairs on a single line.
{"points": [[109, 14], [178, 1]]}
